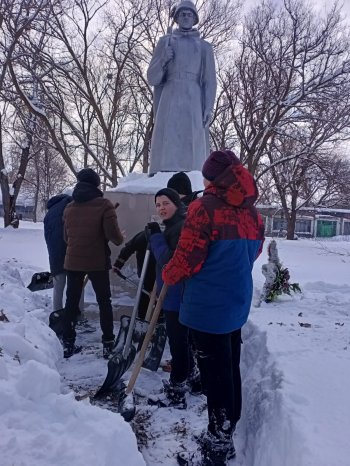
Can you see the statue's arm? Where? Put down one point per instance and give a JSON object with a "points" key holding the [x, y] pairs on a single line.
{"points": [[208, 84], [157, 67]]}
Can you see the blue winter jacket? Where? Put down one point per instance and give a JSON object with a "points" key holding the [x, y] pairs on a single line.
{"points": [[163, 246], [53, 231], [221, 238]]}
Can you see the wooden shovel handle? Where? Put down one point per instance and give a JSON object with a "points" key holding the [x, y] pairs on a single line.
{"points": [[152, 300], [146, 340]]}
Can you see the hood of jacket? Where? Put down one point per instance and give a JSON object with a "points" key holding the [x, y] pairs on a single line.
{"points": [[235, 185], [190, 197], [56, 199], [173, 227], [84, 192]]}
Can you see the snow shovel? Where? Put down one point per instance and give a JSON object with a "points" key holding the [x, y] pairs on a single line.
{"points": [[41, 281], [124, 352], [56, 323], [56, 319], [126, 404], [157, 343], [156, 346], [127, 279]]}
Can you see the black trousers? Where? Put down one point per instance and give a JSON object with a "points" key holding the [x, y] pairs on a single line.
{"points": [[180, 350], [218, 358], [101, 286]]}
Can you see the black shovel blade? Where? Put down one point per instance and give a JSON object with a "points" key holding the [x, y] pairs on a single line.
{"points": [[156, 346], [126, 406], [117, 366], [41, 281], [138, 334], [56, 322]]}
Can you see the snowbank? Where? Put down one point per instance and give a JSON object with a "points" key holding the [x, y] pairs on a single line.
{"points": [[40, 425], [141, 183]]}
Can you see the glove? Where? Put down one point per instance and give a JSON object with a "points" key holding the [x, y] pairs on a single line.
{"points": [[118, 264], [154, 228], [151, 229]]}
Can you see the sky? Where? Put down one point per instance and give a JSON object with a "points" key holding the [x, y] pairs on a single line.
{"points": [[319, 4], [295, 372]]}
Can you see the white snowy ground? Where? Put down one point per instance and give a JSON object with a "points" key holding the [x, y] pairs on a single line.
{"points": [[296, 377]]}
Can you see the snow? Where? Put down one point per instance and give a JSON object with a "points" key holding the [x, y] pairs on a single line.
{"points": [[40, 422], [141, 183], [295, 372]]}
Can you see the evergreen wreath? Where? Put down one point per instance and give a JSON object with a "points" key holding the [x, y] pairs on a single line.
{"points": [[277, 277], [281, 285]]}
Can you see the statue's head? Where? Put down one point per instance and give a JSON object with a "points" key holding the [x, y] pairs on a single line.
{"points": [[186, 15]]}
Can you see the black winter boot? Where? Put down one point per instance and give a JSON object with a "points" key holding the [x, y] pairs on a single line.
{"points": [[69, 348], [217, 449], [211, 451], [108, 347], [173, 395], [83, 325]]}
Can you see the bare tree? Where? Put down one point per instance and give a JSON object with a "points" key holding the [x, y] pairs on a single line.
{"points": [[306, 172], [19, 20], [288, 59], [46, 176], [91, 58]]}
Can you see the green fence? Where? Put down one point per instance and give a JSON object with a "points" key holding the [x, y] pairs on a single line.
{"points": [[326, 228]]}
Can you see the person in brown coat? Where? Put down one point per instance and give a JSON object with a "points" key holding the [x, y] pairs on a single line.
{"points": [[90, 222]]}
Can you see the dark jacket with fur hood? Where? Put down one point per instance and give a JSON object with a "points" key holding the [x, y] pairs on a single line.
{"points": [[90, 221]]}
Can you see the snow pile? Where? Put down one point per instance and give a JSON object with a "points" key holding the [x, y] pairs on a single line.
{"points": [[295, 360], [141, 183], [271, 436], [39, 424]]}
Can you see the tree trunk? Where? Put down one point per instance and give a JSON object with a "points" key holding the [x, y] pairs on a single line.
{"points": [[291, 225], [4, 182], [9, 196], [293, 215]]}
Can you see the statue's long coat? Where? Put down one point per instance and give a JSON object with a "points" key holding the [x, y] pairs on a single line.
{"points": [[184, 91]]}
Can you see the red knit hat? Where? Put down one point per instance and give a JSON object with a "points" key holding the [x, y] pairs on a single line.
{"points": [[217, 162]]}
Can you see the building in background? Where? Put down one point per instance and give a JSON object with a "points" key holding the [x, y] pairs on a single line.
{"points": [[320, 222]]}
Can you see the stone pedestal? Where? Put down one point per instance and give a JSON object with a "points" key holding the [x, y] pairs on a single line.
{"points": [[135, 194]]}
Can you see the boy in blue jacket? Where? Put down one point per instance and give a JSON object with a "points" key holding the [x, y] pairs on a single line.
{"points": [[222, 236]]}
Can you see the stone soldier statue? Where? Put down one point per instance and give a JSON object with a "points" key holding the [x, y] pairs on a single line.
{"points": [[182, 71]]}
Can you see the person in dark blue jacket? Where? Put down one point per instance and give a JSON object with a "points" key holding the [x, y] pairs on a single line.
{"points": [[163, 244], [222, 236], [56, 246]]}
